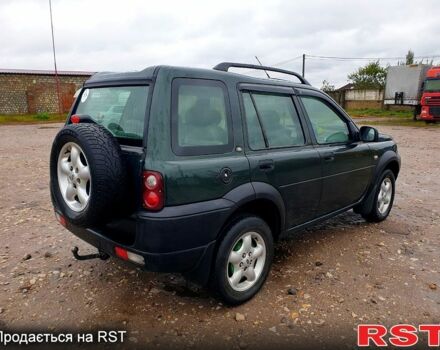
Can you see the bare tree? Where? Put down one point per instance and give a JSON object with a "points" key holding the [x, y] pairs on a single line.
{"points": [[327, 87]]}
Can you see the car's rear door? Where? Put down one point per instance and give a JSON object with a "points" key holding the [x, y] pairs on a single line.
{"points": [[203, 163], [279, 149], [347, 163], [122, 109]]}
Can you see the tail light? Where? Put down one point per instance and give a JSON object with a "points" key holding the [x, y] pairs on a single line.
{"points": [[121, 253], [61, 219], [153, 194], [124, 254], [75, 119]]}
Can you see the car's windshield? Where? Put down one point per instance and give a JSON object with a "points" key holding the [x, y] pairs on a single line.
{"points": [[432, 85], [120, 109]]}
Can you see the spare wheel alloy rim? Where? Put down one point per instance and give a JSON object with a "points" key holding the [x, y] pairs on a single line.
{"points": [[74, 177], [246, 261]]}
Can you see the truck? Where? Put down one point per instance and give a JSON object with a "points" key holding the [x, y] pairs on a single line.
{"points": [[430, 101], [416, 85]]}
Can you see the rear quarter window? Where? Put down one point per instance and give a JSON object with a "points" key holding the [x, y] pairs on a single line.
{"points": [[201, 121]]}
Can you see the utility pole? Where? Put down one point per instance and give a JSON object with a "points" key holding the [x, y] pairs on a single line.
{"points": [[57, 80], [304, 65]]}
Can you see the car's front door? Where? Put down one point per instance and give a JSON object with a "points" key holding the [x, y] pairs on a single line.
{"points": [[347, 163], [280, 150]]}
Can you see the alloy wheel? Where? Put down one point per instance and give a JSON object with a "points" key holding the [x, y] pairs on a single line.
{"points": [[246, 261], [74, 177], [384, 196]]}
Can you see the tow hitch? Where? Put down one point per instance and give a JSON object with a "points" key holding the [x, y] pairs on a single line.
{"points": [[99, 255]]}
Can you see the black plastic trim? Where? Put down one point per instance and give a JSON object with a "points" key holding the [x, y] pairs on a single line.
{"points": [[386, 159], [117, 82], [319, 219], [266, 191], [287, 90], [186, 210]]}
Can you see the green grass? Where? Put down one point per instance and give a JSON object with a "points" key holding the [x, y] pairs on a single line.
{"points": [[376, 112], [403, 121], [385, 117], [6, 119]]}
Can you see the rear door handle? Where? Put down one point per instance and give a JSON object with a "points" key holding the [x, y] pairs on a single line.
{"points": [[329, 157], [266, 165]]}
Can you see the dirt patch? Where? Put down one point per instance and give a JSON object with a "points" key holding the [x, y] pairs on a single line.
{"points": [[324, 281]]}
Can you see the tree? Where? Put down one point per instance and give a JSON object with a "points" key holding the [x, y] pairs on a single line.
{"points": [[370, 76], [327, 87], [410, 57]]}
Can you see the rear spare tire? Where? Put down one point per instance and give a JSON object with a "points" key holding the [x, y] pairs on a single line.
{"points": [[87, 177]]}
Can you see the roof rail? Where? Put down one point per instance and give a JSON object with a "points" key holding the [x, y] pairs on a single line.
{"points": [[224, 66]]}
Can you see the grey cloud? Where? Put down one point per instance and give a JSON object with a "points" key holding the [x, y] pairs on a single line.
{"points": [[132, 34]]}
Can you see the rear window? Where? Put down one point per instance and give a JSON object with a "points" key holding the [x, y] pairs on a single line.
{"points": [[121, 109]]}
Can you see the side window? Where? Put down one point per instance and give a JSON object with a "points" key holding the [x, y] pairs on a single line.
{"points": [[274, 118], [327, 125], [200, 117], [255, 134]]}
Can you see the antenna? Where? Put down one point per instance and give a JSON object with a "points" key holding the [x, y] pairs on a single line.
{"points": [[265, 71]]}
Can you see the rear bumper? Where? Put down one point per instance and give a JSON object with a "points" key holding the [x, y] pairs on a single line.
{"points": [[176, 261], [176, 239]]}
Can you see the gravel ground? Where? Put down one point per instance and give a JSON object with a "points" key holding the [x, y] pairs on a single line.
{"points": [[339, 274]]}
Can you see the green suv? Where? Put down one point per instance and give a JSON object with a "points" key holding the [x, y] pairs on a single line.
{"points": [[200, 171]]}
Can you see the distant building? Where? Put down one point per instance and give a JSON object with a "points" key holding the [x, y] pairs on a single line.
{"points": [[351, 98], [349, 86], [34, 91]]}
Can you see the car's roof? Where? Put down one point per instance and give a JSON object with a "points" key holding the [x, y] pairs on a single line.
{"points": [[151, 72]]}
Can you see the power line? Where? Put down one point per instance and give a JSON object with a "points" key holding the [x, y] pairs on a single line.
{"points": [[287, 61], [277, 64], [367, 58], [340, 58]]}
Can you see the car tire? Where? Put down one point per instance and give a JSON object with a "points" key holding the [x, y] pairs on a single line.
{"points": [[243, 260], [383, 198], [87, 177]]}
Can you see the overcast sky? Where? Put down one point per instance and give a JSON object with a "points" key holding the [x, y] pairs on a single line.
{"points": [[120, 35]]}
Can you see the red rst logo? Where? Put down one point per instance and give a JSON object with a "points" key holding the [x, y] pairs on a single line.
{"points": [[401, 335]]}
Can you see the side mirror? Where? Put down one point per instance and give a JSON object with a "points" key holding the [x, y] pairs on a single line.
{"points": [[368, 134]]}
